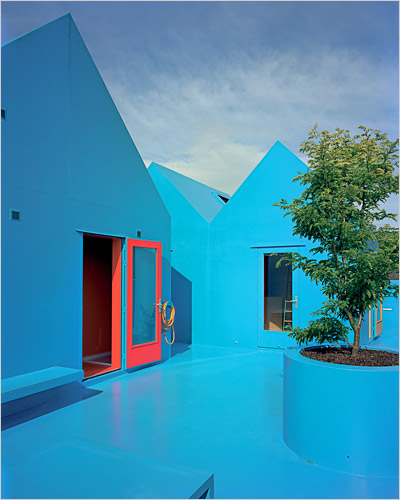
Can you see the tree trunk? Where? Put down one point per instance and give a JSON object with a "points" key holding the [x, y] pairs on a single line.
{"points": [[356, 343]]}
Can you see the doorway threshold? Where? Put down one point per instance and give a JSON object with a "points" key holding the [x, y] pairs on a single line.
{"points": [[101, 377]]}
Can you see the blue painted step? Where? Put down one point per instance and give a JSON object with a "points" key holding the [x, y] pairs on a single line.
{"points": [[30, 383]]}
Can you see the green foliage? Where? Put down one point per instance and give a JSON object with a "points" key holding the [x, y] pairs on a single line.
{"points": [[347, 180], [325, 329]]}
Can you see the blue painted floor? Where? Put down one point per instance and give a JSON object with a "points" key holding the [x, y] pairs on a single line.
{"points": [[209, 409]]}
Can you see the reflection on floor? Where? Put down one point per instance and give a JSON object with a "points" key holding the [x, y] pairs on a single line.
{"points": [[207, 408]]}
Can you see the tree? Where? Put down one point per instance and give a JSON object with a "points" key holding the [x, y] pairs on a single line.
{"points": [[347, 180]]}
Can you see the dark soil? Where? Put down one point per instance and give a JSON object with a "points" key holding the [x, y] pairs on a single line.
{"points": [[342, 356]]}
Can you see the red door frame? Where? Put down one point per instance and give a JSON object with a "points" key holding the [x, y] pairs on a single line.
{"points": [[115, 303], [149, 352]]}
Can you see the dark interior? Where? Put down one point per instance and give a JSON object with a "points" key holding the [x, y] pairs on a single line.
{"points": [[97, 304]]}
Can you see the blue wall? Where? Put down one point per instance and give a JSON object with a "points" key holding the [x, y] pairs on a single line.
{"points": [[219, 254], [390, 325], [181, 291], [391, 315], [70, 165], [248, 221], [189, 253], [222, 254]]}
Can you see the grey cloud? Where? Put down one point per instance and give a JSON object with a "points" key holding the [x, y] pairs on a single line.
{"points": [[216, 126]]}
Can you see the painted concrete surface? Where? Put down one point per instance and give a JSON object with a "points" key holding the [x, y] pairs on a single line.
{"points": [[70, 166], [204, 199], [368, 399], [123, 474], [41, 380], [218, 255], [211, 409]]}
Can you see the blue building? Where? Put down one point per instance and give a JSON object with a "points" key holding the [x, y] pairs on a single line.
{"points": [[224, 252], [92, 244], [242, 299], [78, 207], [79, 212]]}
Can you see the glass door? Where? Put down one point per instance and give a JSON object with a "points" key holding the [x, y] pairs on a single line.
{"points": [[143, 302]]}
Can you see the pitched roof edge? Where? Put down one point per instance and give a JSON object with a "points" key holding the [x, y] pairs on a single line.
{"points": [[218, 191], [277, 145], [37, 28], [157, 166]]}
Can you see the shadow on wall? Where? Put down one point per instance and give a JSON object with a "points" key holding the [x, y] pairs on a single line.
{"points": [[181, 291]]}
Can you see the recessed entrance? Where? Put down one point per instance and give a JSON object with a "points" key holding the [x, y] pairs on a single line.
{"points": [[277, 298], [278, 311], [101, 314]]}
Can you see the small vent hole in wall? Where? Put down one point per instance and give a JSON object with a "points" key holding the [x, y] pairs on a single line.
{"points": [[139, 234], [3, 114], [15, 214]]}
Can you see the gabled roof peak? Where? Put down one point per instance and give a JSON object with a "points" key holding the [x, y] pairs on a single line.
{"points": [[67, 15], [206, 200]]}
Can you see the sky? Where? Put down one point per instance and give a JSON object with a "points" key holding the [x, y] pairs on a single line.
{"points": [[206, 88]]}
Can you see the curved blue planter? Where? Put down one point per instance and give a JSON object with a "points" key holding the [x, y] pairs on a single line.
{"points": [[342, 417]]}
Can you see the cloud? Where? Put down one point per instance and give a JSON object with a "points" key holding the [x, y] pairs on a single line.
{"points": [[217, 124], [204, 162], [201, 90]]}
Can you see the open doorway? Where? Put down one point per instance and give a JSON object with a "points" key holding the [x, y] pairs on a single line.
{"points": [[101, 307], [278, 311], [277, 298], [375, 321]]}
